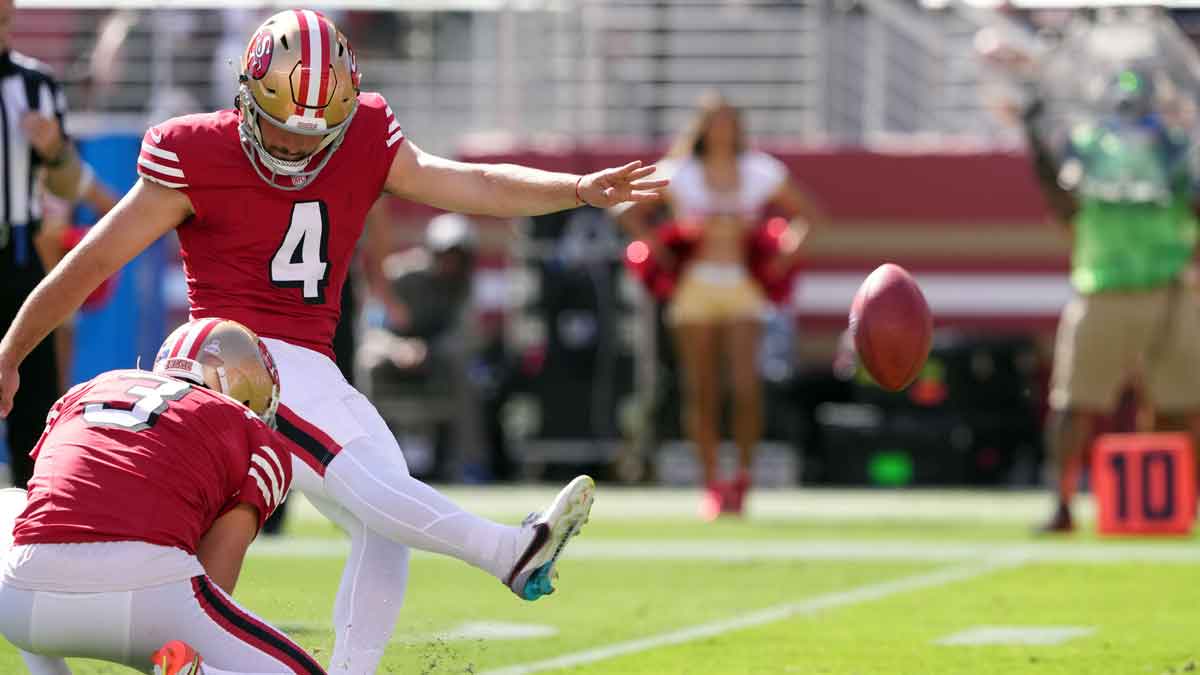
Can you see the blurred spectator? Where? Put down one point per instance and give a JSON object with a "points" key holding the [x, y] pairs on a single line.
{"points": [[35, 144], [106, 65], [428, 345], [719, 190], [345, 337], [228, 52], [58, 235], [152, 60], [1125, 185]]}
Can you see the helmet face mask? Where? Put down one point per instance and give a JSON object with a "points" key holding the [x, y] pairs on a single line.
{"points": [[299, 74], [271, 168], [227, 358]]}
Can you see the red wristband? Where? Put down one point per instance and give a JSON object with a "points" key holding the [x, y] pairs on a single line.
{"points": [[578, 200]]}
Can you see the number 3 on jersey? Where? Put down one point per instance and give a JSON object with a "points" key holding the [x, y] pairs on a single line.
{"points": [[143, 411], [302, 260]]}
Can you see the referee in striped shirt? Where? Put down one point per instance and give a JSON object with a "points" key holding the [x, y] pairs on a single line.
{"points": [[32, 142]]}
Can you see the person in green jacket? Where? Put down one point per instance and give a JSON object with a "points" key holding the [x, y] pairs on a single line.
{"points": [[1126, 188]]}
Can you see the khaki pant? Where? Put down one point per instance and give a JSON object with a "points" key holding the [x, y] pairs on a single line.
{"points": [[1104, 338], [716, 293]]}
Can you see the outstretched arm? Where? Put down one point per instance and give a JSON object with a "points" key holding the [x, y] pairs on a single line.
{"points": [[146, 213], [1060, 200], [509, 190]]}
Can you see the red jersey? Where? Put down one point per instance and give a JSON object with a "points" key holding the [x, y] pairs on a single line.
{"points": [[134, 456], [272, 259]]}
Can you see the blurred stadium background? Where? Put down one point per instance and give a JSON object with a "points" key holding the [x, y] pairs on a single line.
{"points": [[881, 108], [886, 112]]}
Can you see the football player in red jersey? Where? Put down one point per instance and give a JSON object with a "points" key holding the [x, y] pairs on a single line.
{"points": [[147, 488], [268, 201]]}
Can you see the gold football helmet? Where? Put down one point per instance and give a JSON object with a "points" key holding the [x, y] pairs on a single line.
{"points": [[300, 74], [226, 357]]}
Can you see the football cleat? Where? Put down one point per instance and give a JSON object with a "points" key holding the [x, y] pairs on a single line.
{"points": [[533, 575], [176, 658]]}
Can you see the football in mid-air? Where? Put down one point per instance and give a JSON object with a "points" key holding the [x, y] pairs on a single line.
{"points": [[892, 326]]}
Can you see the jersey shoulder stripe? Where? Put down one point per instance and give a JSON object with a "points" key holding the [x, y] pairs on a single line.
{"points": [[165, 176], [180, 152], [374, 107], [270, 470], [263, 490], [159, 165], [395, 134]]}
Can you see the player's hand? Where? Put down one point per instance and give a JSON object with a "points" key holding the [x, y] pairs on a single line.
{"points": [[44, 134], [625, 184], [9, 381]]}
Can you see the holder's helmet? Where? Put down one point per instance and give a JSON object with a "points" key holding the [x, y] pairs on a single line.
{"points": [[226, 357]]}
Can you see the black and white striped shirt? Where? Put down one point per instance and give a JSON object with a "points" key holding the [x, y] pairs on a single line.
{"points": [[25, 85]]}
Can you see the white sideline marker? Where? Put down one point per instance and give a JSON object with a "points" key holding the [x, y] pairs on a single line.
{"points": [[813, 605], [1015, 635]]}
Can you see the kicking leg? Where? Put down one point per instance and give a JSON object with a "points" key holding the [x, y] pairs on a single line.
{"points": [[369, 479], [398, 506], [345, 455], [366, 481]]}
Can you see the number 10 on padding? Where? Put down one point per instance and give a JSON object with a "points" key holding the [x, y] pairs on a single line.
{"points": [[1144, 483]]}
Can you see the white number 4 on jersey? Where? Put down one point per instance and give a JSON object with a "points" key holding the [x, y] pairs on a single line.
{"points": [[302, 259]]}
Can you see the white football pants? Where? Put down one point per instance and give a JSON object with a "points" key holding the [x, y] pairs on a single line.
{"points": [[126, 627], [348, 464]]}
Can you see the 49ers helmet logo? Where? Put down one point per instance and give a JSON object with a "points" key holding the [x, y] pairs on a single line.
{"points": [[258, 54]]}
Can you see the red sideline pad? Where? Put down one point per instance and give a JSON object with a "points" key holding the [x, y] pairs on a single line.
{"points": [[1144, 483]]}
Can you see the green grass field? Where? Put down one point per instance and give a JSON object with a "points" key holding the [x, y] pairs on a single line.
{"points": [[820, 582]]}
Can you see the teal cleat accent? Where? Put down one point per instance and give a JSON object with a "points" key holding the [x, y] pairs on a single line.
{"points": [[539, 583], [533, 574]]}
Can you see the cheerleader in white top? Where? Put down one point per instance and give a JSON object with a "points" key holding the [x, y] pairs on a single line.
{"points": [[718, 194]]}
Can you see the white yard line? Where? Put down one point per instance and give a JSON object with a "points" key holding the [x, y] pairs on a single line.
{"points": [[970, 558], [853, 596], [511, 504], [1184, 551], [1015, 635]]}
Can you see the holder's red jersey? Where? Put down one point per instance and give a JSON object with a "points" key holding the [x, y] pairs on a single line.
{"points": [[134, 456], [272, 259]]}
